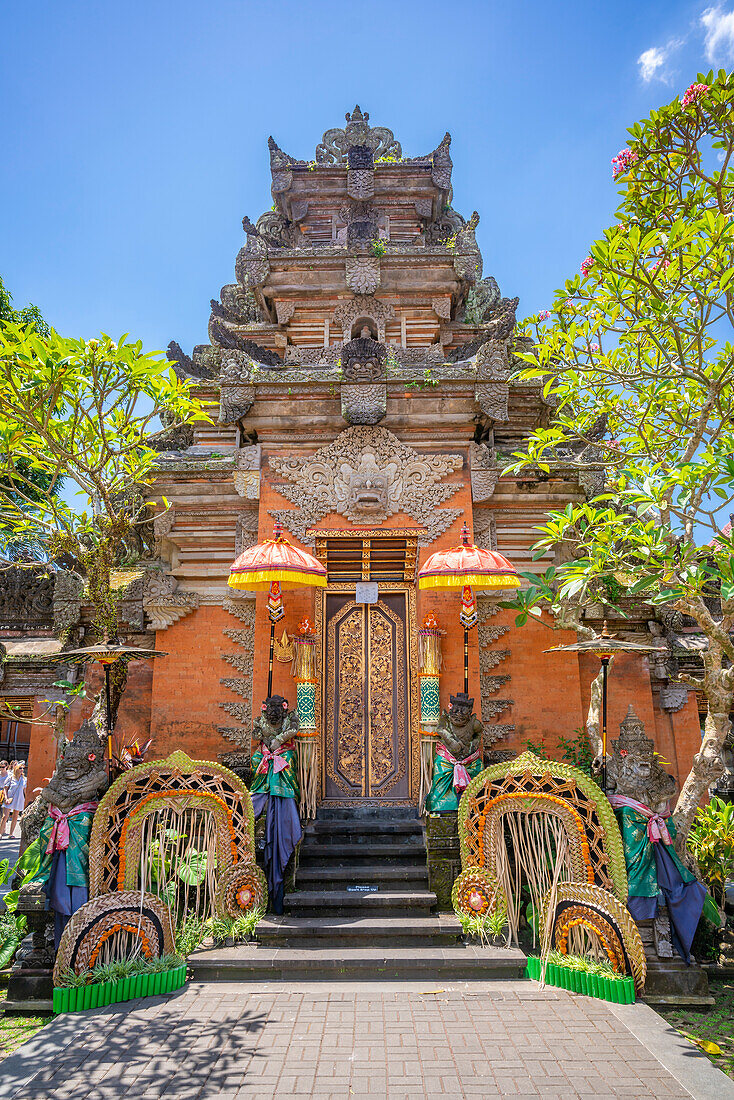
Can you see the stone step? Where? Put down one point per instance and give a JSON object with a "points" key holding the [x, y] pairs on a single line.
{"points": [[336, 852], [436, 930], [396, 903], [365, 813], [254, 963], [356, 828], [337, 873]]}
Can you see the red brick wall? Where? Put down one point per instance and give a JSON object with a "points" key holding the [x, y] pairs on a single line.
{"points": [[186, 690]]}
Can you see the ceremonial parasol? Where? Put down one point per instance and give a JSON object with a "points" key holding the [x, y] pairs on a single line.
{"points": [[467, 567], [273, 565], [605, 646], [107, 653]]}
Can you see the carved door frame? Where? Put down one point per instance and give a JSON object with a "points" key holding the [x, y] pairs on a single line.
{"points": [[412, 725]]}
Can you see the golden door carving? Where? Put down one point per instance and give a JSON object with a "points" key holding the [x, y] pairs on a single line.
{"points": [[367, 731]]}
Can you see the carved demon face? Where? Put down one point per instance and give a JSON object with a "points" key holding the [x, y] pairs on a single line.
{"points": [[368, 488], [363, 371]]}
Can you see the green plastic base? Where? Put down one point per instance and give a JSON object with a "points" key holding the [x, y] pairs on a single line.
{"points": [[79, 998], [619, 990]]}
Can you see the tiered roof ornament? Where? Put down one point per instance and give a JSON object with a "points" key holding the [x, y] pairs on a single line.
{"points": [[352, 143]]}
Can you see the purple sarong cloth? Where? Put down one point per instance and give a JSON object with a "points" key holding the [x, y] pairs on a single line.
{"points": [[282, 834], [684, 900], [63, 899]]}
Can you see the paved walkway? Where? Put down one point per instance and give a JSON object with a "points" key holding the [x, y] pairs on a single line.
{"points": [[362, 1040]]}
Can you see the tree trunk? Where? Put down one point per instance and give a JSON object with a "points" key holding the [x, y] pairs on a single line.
{"points": [[708, 763], [118, 681], [593, 718]]}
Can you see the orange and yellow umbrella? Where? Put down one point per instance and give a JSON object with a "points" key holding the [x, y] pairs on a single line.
{"points": [[467, 567], [276, 560], [271, 566]]}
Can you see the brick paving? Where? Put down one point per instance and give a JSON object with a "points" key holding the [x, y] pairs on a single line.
{"points": [[232, 1041]]}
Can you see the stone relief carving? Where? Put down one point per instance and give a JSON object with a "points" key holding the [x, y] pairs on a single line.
{"points": [[240, 304], [442, 164], [364, 404], [252, 268], [247, 484], [245, 531], [162, 528], [163, 602], [408, 357], [26, 596], [467, 257], [235, 401], [492, 398], [280, 168], [592, 482], [442, 308], [335, 145], [310, 357], [363, 274], [363, 360], [446, 225], [484, 472], [673, 697], [363, 305], [482, 301], [485, 530], [367, 474], [284, 310], [493, 363], [360, 183], [488, 683], [67, 600], [244, 637]]}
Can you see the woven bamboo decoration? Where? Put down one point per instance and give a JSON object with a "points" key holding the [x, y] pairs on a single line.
{"points": [[549, 808]]}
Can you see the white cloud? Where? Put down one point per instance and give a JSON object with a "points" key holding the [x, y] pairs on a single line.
{"points": [[650, 61], [719, 29]]}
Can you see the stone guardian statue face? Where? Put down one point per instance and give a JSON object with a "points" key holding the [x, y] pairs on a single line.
{"points": [[81, 774], [461, 709], [275, 709]]}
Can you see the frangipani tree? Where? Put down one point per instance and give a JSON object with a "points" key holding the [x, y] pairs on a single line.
{"points": [[82, 412], [636, 355]]}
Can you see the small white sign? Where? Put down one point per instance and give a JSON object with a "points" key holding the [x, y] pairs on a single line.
{"points": [[366, 592]]}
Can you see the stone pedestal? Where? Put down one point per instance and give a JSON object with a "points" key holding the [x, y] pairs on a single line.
{"points": [[669, 981], [30, 984], [444, 856]]}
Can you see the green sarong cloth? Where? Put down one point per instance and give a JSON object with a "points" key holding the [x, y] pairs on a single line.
{"points": [[283, 783], [443, 797], [77, 854], [642, 874]]}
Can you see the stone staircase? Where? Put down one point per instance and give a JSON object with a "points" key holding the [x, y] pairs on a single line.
{"points": [[361, 910]]}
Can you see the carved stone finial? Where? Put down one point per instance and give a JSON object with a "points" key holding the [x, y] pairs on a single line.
{"points": [[335, 144]]}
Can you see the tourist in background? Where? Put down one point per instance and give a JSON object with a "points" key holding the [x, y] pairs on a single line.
{"points": [[14, 797]]}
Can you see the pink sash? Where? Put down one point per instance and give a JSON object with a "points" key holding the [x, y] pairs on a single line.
{"points": [[278, 762], [59, 839], [461, 775], [657, 830]]}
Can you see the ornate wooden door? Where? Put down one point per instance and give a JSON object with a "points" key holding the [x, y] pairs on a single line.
{"points": [[366, 698]]}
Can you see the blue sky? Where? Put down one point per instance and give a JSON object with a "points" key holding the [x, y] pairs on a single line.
{"points": [[135, 133]]}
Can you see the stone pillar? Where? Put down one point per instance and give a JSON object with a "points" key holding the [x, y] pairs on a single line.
{"points": [[444, 856]]}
